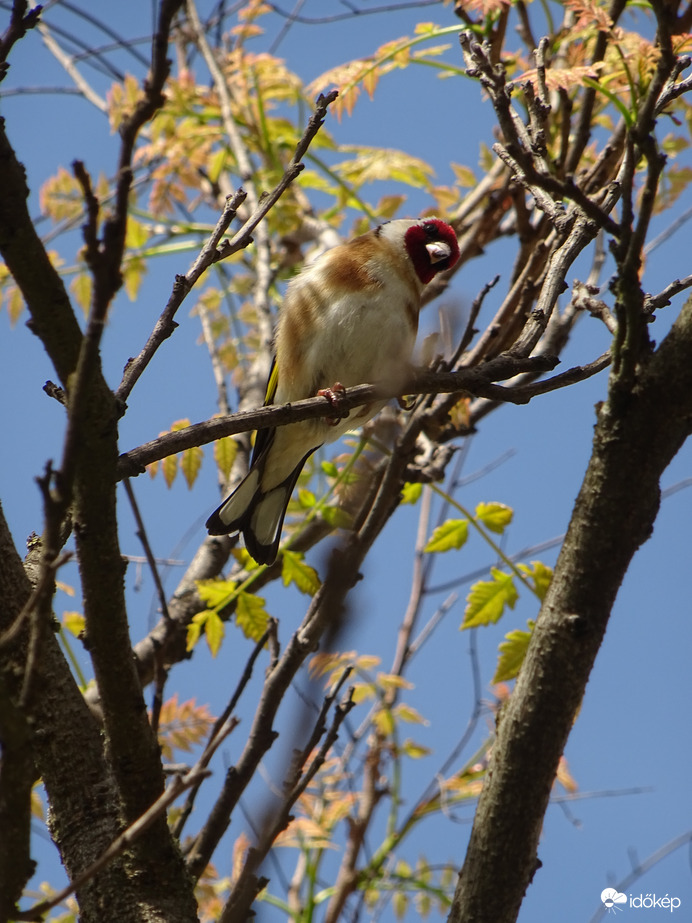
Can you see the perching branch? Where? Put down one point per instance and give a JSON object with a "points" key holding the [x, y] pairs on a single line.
{"points": [[478, 382]]}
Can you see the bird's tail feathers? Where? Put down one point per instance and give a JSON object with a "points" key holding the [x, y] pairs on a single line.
{"points": [[259, 515]]}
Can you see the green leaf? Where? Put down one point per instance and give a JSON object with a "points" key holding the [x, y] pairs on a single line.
{"points": [[512, 652], [411, 493], [225, 450], [373, 163], [407, 713], [540, 574], [329, 469], [414, 750], [451, 534], [74, 622], [464, 175], [190, 463], [295, 570], [488, 598], [136, 235], [400, 904], [217, 164], [335, 517], [134, 268], [306, 498], [214, 630], [494, 516], [213, 627], [251, 615], [169, 467], [216, 593], [82, 287], [194, 630]]}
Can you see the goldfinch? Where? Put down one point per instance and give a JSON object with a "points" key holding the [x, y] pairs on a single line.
{"points": [[348, 318]]}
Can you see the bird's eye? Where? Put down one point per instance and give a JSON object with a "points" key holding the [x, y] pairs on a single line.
{"points": [[431, 230]]}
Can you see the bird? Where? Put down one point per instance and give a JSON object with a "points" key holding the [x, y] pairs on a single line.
{"points": [[349, 317]]}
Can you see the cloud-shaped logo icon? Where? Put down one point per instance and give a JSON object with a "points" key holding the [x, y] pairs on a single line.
{"points": [[611, 898]]}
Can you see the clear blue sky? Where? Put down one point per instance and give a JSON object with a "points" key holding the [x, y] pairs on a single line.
{"points": [[633, 730]]}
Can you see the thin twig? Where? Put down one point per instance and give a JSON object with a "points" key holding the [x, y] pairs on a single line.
{"points": [[151, 560], [225, 716], [165, 325]]}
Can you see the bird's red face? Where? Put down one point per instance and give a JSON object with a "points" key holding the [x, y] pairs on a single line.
{"points": [[432, 247]]}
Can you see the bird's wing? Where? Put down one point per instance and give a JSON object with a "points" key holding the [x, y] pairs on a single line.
{"points": [[265, 436]]}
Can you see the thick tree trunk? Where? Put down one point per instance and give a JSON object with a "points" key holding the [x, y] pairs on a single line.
{"points": [[638, 432]]}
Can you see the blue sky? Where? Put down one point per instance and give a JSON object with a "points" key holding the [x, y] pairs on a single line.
{"points": [[633, 729]]}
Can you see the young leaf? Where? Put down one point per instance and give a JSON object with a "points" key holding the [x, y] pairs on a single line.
{"points": [[295, 570], [451, 534], [190, 463], [251, 615], [414, 750], [182, 725], [411, 493], [82, 287], [169, 466], [407, 713], [384, 722], [214, 630], [494, 516], [541, 576], [512, 652], [216, 593], [225, 450], [488, 598], [73, 622]]}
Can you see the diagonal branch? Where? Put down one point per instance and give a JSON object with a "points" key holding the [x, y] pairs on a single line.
{"points": [[478, 382]]}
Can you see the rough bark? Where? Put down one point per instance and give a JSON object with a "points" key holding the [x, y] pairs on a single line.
{"points": [[639, 430]]}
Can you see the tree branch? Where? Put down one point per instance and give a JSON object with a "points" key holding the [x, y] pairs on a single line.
{"points": [[478, 381]]}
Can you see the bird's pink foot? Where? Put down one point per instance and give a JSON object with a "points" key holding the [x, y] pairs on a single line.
{"points": [[334, 395]]}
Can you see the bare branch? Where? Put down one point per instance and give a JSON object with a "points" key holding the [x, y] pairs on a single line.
{"points": [[475, 381], [20, 23]]}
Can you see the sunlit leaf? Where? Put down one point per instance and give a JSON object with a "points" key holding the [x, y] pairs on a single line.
{"points": [[182, 725], [362, 692], [372, 164], [74, 622], [82, 287], [411, 493], [384, 722], [190, 463], [169, 467], [451, 534], [494, 516], [216, 593], [393, 681], [565, 777], [511, 654], [251, 616], [225, 451], [295, 570], [488, 598], [61, 197], [134, 270], [540, 575], [408, 714], [464, 175], [414, 750]]}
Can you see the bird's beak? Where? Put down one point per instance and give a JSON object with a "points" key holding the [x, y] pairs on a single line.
{"points": [[438, 251]]}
